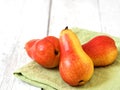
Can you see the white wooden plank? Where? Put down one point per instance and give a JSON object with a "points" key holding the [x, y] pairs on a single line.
{"points": [[74, 13], [20, 21], [110, 16], [9, 34]]}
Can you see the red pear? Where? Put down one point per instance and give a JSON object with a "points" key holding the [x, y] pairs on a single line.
{"points": [[102, 50], [44, 51], [75, 67]]}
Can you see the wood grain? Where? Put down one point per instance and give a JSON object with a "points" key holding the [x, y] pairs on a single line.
{"points": [[110, 16], [20, 21], [74, 13]]}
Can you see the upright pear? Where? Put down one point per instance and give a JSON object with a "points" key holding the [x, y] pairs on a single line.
{"points": [[75, 67]]}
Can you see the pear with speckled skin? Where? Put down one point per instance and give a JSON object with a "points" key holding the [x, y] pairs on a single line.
{"points": [[76, 67]]}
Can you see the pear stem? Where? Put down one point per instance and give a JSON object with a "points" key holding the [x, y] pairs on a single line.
{"points": [[66, 27]]}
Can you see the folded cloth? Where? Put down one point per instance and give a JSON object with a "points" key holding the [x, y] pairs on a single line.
{"points": [[104, 78]]}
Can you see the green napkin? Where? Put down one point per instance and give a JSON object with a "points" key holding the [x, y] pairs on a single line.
{"points": [[104, 78]]}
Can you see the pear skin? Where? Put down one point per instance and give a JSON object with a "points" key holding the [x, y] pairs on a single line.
{"points": [[101, 49], [76, 67]]}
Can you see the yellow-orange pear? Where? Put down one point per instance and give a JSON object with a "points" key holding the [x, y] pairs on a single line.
{"points": [[101, 49], [76, 67]]}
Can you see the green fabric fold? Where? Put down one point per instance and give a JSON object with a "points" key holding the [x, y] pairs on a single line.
{"points": [[104, 78]]}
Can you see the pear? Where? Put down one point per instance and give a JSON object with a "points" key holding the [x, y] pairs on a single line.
{"points": [[102, 50], [76, 67], [45, 51]]}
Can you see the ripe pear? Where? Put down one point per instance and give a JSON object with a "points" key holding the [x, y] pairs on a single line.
{"points": [[101, 49], [75, 67], [45, 52]]}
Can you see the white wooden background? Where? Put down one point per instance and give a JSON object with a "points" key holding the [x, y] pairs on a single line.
{"points": [[22, 20]]}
